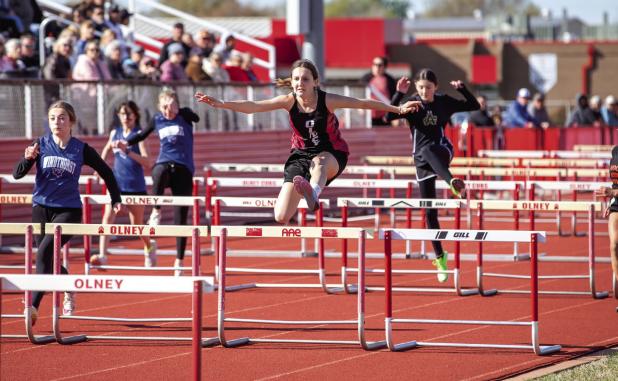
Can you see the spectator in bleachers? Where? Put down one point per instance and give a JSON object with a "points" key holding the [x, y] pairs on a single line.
{"points": [[130, 66], [496, 115], [215, 68], [29, 55], [236, 73], [582, 115], [89, 66], [204, 43], [107, 37], [58, 64], [78, 14], [113, 21], [98, 18], [127, 33], [187, 39], [149, 69], [11, 65], [226, 46], [177, 31], [10, 23], [517, 113], [481, 117], [247, 67], [595, 109], [2, 50], [28, 12], [194, 69], [113, 59], [610, 111], [172, 69], [86, 34], [538, 110], [382, 87]]}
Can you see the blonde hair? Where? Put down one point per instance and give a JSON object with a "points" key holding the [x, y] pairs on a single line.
{"points": [[168, 92]]}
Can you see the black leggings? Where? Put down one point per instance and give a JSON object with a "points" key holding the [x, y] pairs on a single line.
{"points": [[428, 190], [45, 243], [180, 180]]}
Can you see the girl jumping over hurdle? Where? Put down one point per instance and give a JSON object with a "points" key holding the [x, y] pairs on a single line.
{"points": [[174, 167], [129, 170], [432, 150], [319, 153], [59, 158]]}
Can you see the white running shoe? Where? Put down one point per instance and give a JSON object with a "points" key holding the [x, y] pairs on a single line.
{"points": [[98, 260], [155, 217], [68, 305], [178, 265], [150, 255], [303, 188]]}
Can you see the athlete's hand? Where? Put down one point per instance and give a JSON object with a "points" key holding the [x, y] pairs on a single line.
{"points": [[403, 85], [120, 144], [214, 102], [603, 192], [32, 151], [457, 84], [117, 207], [410, 106]]}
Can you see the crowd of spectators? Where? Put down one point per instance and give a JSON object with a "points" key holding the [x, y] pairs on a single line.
{"points": [[96, 43]]}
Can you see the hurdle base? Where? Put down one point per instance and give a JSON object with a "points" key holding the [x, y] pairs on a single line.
{"points": [[236, 342], [210, 342], [491, 292], [309, 254], [237, 287], [403, 346], [521, 257], [71, 339], [600, 295], [416, 256], [548, 349], [373, 345]]}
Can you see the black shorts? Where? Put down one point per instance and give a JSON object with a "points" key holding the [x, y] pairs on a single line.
{"points": [[299, 164], [613, 207]]}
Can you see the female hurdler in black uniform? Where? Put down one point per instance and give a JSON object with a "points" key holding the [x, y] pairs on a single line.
{"points": [[318, 153], [432, 150], [611, 212]]}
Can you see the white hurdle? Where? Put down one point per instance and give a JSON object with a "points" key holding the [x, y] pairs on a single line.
{"points": [[308, 232], [590, 207], [116, 284], [488, 236]]}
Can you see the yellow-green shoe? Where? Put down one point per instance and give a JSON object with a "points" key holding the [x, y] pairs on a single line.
{"points": [[442, 266], [458, 187]]}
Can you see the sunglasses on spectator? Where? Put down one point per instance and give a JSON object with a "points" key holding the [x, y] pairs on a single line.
{"points": [[378, 64], [28, 46], [93, 49]]}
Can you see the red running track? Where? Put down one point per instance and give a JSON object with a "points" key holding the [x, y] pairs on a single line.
{"points": [[579, 323]]}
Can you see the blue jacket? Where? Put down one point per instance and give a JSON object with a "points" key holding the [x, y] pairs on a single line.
{"points": [[517, 116]]}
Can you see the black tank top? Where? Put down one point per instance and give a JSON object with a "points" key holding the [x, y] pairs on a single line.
{"points": [[613, 168], [318, 130]]}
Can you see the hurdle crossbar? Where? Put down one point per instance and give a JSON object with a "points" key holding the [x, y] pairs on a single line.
{"points": [[307, 232], [533, 237]]}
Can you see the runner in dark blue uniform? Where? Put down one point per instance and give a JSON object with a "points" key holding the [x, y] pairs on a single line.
{"points": [[431, 149], [612, 210], [174, 167], [129, 171], [319, 153], [59, 158]]}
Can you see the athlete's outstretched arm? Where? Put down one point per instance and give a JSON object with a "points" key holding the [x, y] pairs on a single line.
{"points": [[335, 101], [246, 106]]}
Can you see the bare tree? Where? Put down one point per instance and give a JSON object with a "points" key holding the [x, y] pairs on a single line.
{"points": [[466, 8], [366, 8]]}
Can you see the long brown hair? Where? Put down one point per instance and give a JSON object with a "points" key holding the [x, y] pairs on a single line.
{"points": [[132, 107], [287, 82]]}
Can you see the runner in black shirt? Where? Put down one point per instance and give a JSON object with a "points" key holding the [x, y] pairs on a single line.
{"points": [[318, 153], [612, 209], [432, 150]]}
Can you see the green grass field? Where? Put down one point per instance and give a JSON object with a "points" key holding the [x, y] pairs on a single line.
{"points": [[605, 369]]}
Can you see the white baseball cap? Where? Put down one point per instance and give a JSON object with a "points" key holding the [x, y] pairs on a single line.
{"points": [[523, 93]]}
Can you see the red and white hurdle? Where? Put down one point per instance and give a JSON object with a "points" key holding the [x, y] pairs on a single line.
{"points": [[388, 235], [307, 232]]}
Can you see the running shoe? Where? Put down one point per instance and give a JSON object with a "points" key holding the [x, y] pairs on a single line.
{"points": [[303, 188], [155, 217], [150, 254], [458, 187], [98, 260], [178, 265], [68, 305], [442, 266]]}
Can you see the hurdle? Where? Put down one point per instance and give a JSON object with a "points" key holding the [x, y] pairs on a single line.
{"points": [[308, 232], [192, 201], [388, 235], [590, 207], [195, 232]]}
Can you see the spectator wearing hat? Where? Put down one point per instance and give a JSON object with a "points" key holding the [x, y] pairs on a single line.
{"points": [[537, 109], [130, 66], [177, 31], [609, 111], [113, 21], [517, 113], [172, 69], [582, 115]]}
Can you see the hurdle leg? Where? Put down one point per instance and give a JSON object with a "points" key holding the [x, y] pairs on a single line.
{"points": [[56, 297], [221, 297], [591, 258], [361, 298], [197, 329]]}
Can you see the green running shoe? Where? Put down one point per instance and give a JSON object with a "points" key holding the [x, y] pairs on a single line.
{"points": [[458, 187], [442, 266]]}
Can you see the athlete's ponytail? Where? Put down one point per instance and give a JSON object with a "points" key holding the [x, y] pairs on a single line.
{"points": [[307, 64]]}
